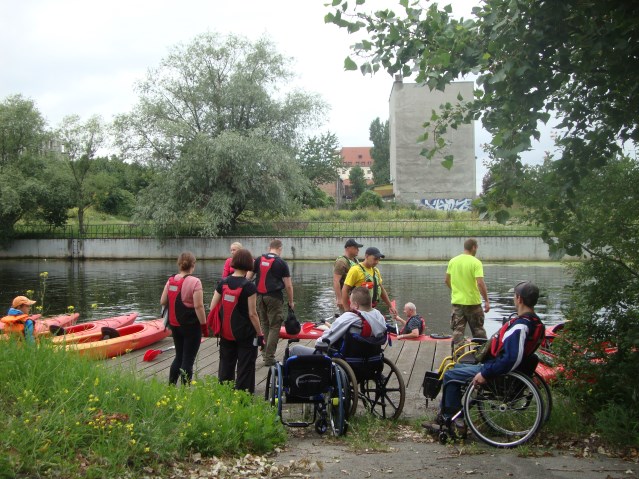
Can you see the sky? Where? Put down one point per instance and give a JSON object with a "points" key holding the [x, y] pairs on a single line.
{"points": [[84, 57]]}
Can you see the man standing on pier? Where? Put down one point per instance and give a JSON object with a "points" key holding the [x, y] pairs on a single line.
{"points": [[366, 274], [465, 278], [340, 270], [271, 277]]}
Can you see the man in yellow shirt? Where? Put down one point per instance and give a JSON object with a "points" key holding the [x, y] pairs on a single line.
{"points": [[366, 274], [465, 278]]}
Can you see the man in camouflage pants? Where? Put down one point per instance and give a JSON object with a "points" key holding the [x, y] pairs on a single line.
{"points": [[465, 278]]}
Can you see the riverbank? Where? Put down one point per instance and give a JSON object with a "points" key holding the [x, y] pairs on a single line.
{"points": [[501, 248]]}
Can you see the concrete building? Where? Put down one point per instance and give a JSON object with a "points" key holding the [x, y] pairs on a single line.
{"points": [[416, 179]]}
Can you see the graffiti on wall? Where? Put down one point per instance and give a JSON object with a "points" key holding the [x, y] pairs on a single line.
{"points": [[447, 204]]}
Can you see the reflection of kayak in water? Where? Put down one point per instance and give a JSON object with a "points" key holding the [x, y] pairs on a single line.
{"points": [[309, 330], [423, 337]]}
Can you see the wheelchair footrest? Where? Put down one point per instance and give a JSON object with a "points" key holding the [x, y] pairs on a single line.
{"points": [[298, 423]]}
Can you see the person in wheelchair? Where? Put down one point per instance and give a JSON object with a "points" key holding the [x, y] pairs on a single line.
{"points": [[362, 319], [511, 348]]}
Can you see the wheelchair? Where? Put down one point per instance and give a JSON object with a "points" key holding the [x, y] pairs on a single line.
{"points": [[505, 412], [320, 385], [374, 380]]}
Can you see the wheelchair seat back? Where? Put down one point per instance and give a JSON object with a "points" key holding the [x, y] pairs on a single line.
{"points": [[308, 376], [364, 354]]}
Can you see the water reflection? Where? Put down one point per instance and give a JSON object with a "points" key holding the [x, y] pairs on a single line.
{"points": [[117, 287]]}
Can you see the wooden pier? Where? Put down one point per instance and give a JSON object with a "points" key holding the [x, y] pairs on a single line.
{"points": [[413, 359]]}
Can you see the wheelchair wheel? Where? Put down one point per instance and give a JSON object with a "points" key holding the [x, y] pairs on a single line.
{"points": [[337, 401], [350, 402], [274, 385], [507, 411], [545, 393], [384, 395]]}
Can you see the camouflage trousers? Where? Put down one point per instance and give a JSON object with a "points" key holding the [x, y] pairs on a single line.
{"points": [[473, 315]]}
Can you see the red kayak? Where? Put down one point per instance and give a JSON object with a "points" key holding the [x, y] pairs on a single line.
{"points": [[309, 331], [423, 337], [114, 342], [62, 333], [42, 326]]}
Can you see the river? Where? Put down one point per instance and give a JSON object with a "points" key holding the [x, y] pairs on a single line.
{"points": [[98, 289]]}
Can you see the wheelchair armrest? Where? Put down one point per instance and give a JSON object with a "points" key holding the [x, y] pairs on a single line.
{"points": [[478, 340], [293, 340]]}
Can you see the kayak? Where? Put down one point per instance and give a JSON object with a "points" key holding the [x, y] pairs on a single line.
{"points": [[42, 326], [423, 337], [114, 342], [62, 333], [309, 330], [33, 317]]}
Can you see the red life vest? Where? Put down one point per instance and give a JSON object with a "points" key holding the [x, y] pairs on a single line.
{"points": [[366, 327], [179, 314], [234, 326], [266, 263], [533, 340]]}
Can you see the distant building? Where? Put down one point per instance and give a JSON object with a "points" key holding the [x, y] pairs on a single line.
{"points": [[416, 179]]}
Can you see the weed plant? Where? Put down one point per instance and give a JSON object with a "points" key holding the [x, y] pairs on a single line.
{"points": [[68, 416]]}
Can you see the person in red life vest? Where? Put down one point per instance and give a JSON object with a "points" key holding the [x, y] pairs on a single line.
{"points": [[366, 274], [272, 276], [228, 269], [342, 265], [241, 332], [361, 319], [17, 320], [413, 326], [511, 348], [185, 300]]}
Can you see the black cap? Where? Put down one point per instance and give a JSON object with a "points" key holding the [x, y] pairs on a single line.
{"points": [[374, 251], [352, 242], [528, 292]]}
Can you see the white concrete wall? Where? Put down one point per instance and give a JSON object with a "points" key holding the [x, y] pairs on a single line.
{"points": [[402, 249]]}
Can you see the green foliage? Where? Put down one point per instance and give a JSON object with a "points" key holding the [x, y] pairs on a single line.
{"points": [[380, 136], [81, 419], [320, 159], [368, 199], [210, 117], [358, 182]]}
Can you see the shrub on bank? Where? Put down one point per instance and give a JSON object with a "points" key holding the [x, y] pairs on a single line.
{"points": [[64, 415]]}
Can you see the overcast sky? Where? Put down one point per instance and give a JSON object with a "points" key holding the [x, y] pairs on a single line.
{"points": [[84, 57]]}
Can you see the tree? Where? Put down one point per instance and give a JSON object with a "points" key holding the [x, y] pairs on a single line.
{"points": [[216, 93], [578, 61], [358, 182], [81, 142], [369, 199], [27, 176], [380, 136], [320, 159]]}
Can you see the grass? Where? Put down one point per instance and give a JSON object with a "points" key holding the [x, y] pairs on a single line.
{"points": [[66, 416]]}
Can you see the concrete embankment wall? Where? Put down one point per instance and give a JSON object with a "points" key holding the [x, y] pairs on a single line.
{"points": [[403, 249]]}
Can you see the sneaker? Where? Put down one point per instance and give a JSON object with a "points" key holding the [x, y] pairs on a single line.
{"points": [[436, 425]]}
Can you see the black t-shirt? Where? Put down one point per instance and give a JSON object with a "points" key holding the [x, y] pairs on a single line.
{"points": [[248, 290], [279, 269]]}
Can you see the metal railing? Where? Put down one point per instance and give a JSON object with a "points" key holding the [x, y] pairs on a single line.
{"points": [[389, 228]]}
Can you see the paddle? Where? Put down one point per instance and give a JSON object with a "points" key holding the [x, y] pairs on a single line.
{"points": [[151, 354]]}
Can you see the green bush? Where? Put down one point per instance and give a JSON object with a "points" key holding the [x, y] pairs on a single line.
{"points": [[369, 199], [66, 416]]}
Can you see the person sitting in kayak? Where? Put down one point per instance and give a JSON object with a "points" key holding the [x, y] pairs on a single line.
{"points": [[511, 348], [18, 320], [414, 326]]}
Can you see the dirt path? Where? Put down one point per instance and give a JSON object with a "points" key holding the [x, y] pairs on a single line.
{"points": [[415, 456]]}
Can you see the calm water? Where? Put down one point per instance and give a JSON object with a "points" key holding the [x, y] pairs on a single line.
{"points": [[99, 289]]}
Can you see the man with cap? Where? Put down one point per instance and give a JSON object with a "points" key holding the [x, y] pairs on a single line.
{"points": [[340, 270], [18, 320], [366, 274], [511, 348]]}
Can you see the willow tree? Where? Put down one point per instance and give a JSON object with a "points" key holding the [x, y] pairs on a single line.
{"points": [[214, 119]]}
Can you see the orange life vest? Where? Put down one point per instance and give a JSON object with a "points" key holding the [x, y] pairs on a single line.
{"points": [[14, 324]]}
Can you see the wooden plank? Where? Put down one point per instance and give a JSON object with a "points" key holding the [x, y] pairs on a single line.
{"points": [[405, 362]]}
